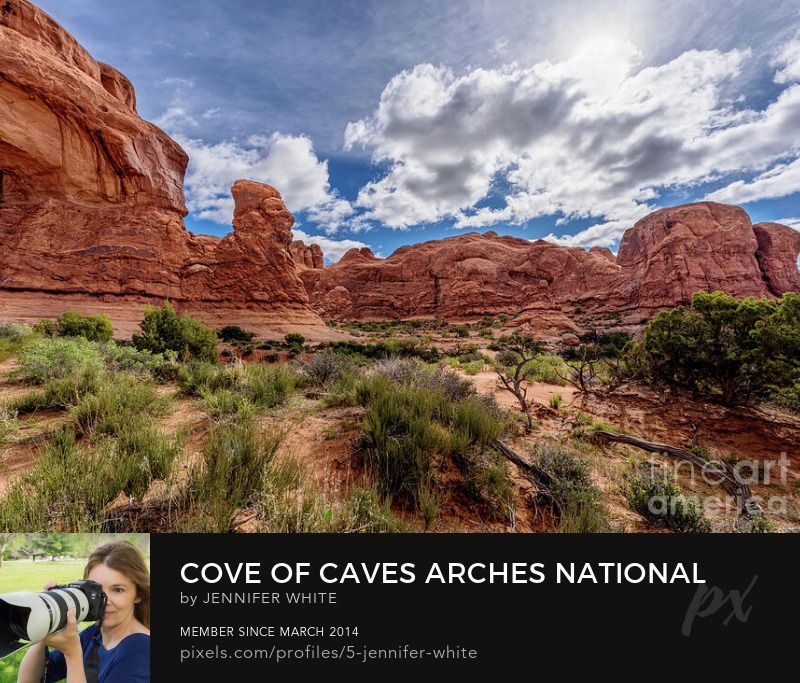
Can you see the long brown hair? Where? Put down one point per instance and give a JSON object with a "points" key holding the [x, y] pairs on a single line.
{"points": [[126, 558]]}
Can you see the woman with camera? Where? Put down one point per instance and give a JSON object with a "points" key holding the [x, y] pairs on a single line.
{"points": [[115, 649]]}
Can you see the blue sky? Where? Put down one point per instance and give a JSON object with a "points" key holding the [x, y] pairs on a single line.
{"points": [[384, 124]]}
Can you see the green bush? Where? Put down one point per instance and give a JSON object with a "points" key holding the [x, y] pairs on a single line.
{"points": [[662, 503], [408, 430], [47, 359], [294, 339], [723, 347], [234, 333], [92, 327], [579, 501], [162, 329]]}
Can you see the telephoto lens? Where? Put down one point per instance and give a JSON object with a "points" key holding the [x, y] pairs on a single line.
{"points": [[30, 617]]}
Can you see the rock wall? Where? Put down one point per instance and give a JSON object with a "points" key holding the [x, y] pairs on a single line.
{"points": [[91, 198]]}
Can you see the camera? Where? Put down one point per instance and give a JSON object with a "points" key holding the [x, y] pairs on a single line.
{"points": [[26, 616]]}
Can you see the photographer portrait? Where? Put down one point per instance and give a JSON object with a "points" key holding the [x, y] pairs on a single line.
{"points": [[114, 649]]}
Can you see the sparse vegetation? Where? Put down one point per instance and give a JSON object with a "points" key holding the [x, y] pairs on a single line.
{"points": [[424, 445], [578, 504], [411, 430], [662, 502], [162, 330]]}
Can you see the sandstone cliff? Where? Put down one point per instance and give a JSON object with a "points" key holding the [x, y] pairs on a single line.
{"points": [[92, 204]]}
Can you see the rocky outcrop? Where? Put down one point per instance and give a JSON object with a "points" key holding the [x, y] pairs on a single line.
{"points": [[779, 256], [674, 252], [306, 256], [91, 195], [663, 259]]}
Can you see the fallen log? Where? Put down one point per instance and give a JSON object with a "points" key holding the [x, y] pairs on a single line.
{"points": [[729, 480], [536, 475]]}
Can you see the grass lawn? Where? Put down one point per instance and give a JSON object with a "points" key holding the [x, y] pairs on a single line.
{"points": [[24, 575]]}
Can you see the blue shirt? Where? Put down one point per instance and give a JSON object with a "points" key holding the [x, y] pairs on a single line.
{"points": [[127, 662]]}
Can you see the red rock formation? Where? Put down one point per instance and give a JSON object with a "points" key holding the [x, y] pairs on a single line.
{"points": [[662, 261], [674, 252], [778, 254], [91, 196], [306, 256]]}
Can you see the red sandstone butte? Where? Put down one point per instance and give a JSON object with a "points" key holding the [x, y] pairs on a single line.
{"points": [[662, 260], [92, 203]]}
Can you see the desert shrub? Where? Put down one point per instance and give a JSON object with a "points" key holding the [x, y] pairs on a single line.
{"points": [[408, 429], [555, 401], [294, 339], [92, 327], [230, 476], [46, 327], [226, 389], [472, 368], [579, 501], [291, 502], [267, 386], [140, 454], [12, 337], [461, 331], [162, 329], [326, 368], [47, 359], [411, 372], [661, 502], [124, 358], [193, 378], [70, 486], [117, 403], [234, 333], [15, 332], [342, 391], [8, 422], [58, 394]]}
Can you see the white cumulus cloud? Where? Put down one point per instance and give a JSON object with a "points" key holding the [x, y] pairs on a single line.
{"points": [[287, 162], [557, 139], [779, 181]]}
